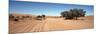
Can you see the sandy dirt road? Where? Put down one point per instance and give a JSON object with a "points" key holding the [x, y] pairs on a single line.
{"points": [[50, 24]]}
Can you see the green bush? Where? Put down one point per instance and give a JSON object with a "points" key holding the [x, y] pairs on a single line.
{"points": [[73, 13]]}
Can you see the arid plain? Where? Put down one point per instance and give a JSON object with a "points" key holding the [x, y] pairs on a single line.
{"points": [[50, 23]]}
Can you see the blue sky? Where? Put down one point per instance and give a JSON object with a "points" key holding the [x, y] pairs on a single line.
{"points": [[50, 9]]}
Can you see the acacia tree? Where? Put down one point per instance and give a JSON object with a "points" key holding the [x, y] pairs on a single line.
{"points": [[67, 15], [73, 13]]}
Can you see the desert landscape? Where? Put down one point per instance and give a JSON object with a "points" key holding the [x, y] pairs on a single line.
{"points": [[50, 23], [30, 17]]}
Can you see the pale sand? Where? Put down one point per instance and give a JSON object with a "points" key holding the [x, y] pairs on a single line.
{"points": [[50, 24]]}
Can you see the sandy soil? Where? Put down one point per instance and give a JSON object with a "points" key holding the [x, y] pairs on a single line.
{"points": [[50, 24]]}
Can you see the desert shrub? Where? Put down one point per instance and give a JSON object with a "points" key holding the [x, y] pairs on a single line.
{"points": [[11, 16], [73, 13], [23, 16], [16, 19], [39, 17], [43, 16]]}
